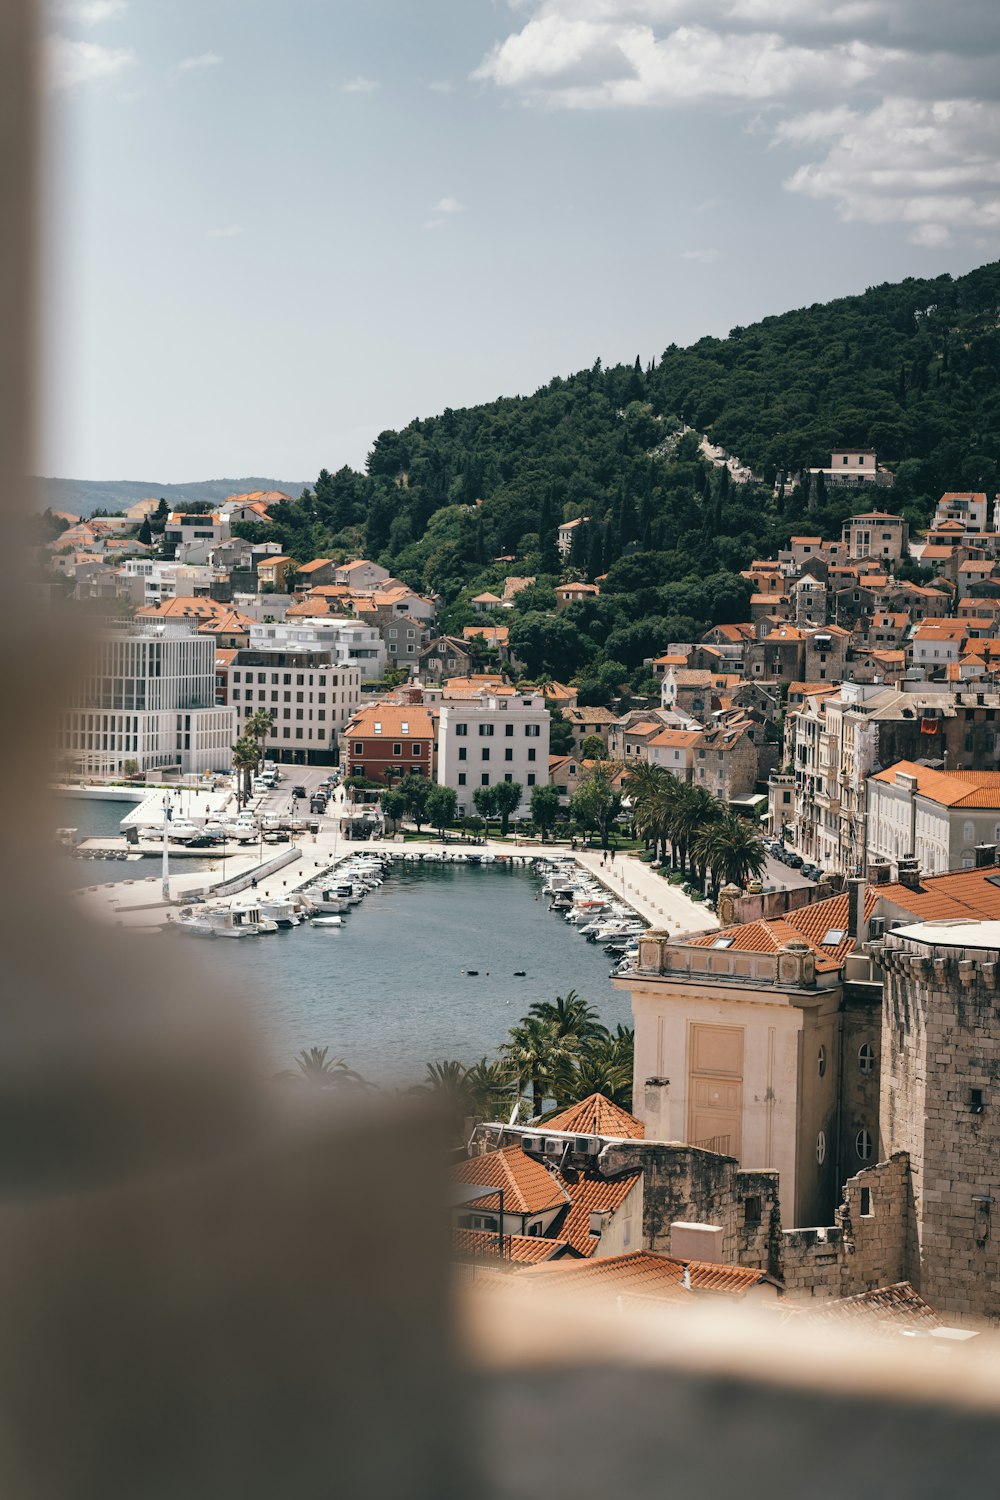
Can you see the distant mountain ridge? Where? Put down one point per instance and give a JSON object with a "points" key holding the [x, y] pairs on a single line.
{"points": [[83, 496]]}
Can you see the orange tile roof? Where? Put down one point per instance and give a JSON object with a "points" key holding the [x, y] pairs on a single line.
{"points": [[597, 1115], [315, 565], [648, 1274], [809, 924], [590, 1195], [520, 1249], [528, 1186], [392, 717], [948, 788], [677, 738]]}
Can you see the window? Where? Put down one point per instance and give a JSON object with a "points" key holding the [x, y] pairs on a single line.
{"points": [[486, 755], [751, 1211], [821, 1062], [723, 943], [397, 749], [461, 778], [415, 750], [834, 936], [359, 748], [463, 753], [866, 1203], [507, 755], [866, 1058], [508, 777], [976, 1101], [821, 1147], [484, 780], [532, 752], [485, 730], [532, 731], [531, 778], [863, 1145], [508, 730]]}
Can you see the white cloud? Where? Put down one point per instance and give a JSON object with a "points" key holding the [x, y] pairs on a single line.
{"points": [[359, 85], [705, 257], [448, 206], [71, 63], [230, 232], [200, 61], [91, 12], [932, 166], [887, 104]]}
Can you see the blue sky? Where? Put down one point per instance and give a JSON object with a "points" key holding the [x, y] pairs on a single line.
{"points": [[279, 226]]}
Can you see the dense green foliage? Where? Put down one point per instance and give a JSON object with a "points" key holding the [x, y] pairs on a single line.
{"points": [[454, 503]]}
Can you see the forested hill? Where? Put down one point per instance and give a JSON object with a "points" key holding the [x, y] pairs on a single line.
{"points": [[911, 369]]}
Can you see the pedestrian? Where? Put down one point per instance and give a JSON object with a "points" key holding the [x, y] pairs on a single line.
{"points": [[253, 883], [612, 856]]}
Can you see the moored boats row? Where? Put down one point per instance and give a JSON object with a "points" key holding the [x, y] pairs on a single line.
{"points": [[595, 912]]}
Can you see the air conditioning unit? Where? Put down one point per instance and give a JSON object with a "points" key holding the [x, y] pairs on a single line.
{"points": [[876, 928], [535, 1143], [587, 1145], [554, 1146]]}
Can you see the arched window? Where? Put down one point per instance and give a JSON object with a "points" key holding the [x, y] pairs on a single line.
{"points": [[866, 1058], [968, 831], [821, 1061], [821, 1147], [863, 1145]]}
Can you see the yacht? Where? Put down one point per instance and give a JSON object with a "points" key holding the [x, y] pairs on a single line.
{"points": [[224, 922], [327, 899], [283, 912]]}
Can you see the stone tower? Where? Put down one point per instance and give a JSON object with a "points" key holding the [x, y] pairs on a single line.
{"points": [[940, 1103]]}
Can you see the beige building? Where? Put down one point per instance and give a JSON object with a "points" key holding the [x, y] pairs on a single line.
{"points": [[877, 534], [937, 818]]}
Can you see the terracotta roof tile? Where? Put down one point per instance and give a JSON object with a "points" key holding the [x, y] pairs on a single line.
{"points": [[648, 1274], [597, 1115], [948, 788], [519, 1249], [528, 1186]]}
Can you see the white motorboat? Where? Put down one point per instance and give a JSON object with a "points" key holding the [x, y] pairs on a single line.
{"points": [[284, 913], [327, 900], [224, 921], [327, 921]]}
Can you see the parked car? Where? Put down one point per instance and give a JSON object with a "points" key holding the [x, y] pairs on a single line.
{"points": [[298, 791], [795, 860]]}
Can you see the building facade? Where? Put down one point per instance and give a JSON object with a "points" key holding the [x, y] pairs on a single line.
{"points": [[308, 693], [494, 737], [148, 699]]}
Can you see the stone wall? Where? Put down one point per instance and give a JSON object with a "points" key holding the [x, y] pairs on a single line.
{"points": [[940, 1102], [684, 1183], [870, 1244]]}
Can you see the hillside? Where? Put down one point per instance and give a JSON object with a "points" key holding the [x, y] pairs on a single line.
{"points": [[83, 496]]}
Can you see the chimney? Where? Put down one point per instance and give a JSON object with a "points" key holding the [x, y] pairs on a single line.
{"points": [[908, 873], [880, 872], [986, 855], [857, 927], [655, 1111]]}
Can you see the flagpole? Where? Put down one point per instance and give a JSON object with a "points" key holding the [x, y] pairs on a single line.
{"points": [[166, 863]]}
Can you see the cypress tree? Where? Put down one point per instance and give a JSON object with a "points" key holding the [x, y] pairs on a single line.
{"points": [[145, 533], [595, 551]]}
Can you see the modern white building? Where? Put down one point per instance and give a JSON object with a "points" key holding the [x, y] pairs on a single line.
{"points": [[309, 694], [193, 537], [936, 818], [149, 580], [498, 735], [150, 699], [352, 642]]}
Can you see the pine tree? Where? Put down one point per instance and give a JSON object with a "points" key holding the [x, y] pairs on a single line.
{"points": [[145, 533]]}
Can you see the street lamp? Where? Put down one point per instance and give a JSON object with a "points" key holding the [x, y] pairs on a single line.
{"points": [[167, 815]]}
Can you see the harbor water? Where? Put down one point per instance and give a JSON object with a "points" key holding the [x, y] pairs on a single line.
{"points": [[391, 989]]}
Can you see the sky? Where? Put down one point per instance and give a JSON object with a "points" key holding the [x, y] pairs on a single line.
{"points": [[277, 227]]}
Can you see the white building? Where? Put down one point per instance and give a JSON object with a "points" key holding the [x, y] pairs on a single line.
{"points": [[309, 694], [499, 735], [352, 642], [934, 817], [149, 698], [194, 536], [149, 580], [969, 509]]}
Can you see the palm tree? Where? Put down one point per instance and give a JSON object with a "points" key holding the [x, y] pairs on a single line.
{"points": [[539, 1059], [245, 756], [317, 1068], [490, 1088], [258, 726], [694, 807], [570, 1016], [599, 1073], [731, 847], [641, 783]]}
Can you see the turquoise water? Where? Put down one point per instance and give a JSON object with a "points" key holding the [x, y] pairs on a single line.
{"points": [[387, 990]]}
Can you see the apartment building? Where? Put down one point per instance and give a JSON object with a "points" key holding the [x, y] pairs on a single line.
{"points": [[148, 698], [308, 692], [876, 533], [387, 741], [352, 642], [498, 735], [937, 818]]}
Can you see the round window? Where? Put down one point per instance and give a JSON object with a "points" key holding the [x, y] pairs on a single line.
{"points": [[866, 1058], [821, 1147], [821, 1061], [863, 1145]]}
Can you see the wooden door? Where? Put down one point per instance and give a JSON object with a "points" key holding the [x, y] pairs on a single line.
{"points": [[715, 1088]]}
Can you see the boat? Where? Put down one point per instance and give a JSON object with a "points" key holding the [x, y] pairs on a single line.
{"points": [[326, 901], [328, 921], [283, 912], [223, 921]]}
